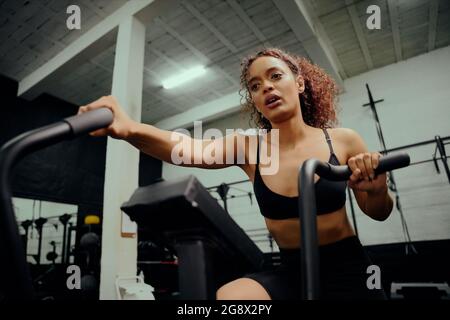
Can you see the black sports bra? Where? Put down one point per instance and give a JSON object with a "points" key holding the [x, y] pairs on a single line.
{"points": [[330, 195]]}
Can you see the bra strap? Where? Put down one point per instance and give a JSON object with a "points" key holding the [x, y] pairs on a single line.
{"points": [[327, 136]]}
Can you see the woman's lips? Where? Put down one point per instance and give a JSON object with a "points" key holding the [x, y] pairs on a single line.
{"points": [[274, 104]]}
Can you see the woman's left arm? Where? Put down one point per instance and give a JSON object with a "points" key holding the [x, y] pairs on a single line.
{"points": [[371, 192]]}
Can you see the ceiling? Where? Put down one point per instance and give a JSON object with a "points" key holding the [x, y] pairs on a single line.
{"points": [[216, 33]]}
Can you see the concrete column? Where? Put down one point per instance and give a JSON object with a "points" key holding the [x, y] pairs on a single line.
{"points": [[119, 241]]}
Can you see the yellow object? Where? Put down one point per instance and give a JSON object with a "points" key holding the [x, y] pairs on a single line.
{"points": [[91, 219]]}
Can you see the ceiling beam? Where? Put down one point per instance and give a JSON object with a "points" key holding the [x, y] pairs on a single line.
{"points": [[144, 88], [210, 27], [432, 26], [231, 103], [180, 68], [88, 45], [147, 71], [93, 8], [206, 112], [393, 16], [241, 13], [203, 59], [351, 8], [307, 27]]}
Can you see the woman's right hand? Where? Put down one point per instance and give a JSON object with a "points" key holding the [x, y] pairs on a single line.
{"points": [[120, 127]]}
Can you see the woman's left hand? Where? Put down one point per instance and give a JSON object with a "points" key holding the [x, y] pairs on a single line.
{"points": [[363, 176]]}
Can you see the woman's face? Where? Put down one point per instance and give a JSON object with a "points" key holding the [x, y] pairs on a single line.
{"points": [[274, 88]]}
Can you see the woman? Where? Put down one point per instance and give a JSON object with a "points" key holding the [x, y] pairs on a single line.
{"points": [[296, 98]]}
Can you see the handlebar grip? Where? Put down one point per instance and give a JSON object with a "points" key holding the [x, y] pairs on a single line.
{"points": [[339, 173], [90, 121], [392, 161]]}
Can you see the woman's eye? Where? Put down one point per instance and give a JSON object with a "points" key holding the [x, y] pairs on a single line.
{"points": [[254, 87], [276, 76]]}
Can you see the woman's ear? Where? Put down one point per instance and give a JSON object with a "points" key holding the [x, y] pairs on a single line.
{"points": [[300, 84]]}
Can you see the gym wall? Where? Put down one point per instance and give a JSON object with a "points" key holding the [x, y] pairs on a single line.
{"points": [[408, 114], [69, 172]]}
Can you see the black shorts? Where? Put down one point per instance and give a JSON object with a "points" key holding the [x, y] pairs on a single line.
{"points": [[343, 273]]}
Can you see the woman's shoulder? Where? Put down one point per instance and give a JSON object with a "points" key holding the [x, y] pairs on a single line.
{"points": [[344, 135], [349, 140]]}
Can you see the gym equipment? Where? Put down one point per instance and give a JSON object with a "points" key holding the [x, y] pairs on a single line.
{"points": [[64, 219], [223, 189], [92, 219], [68, 250], [201, 228], [308, 217], [182, 215], [391, 182], [440, 146], [89, 283], [90, 241], [52, 255], [15, 278], [39, 224], [26, 225], [422, 291]]}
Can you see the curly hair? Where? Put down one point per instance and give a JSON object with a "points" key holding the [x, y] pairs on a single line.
{"points": [[318, 102]]}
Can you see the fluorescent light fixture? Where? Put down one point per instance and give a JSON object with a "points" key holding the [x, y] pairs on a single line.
{"points": [[183, 77]]}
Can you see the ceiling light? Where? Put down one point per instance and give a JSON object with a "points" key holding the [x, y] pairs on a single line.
{"points": [[183, 77]]}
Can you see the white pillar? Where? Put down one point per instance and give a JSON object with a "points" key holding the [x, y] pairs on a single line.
{"points": [[119, 253]]}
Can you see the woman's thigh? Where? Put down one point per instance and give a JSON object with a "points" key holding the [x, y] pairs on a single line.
{"points": [[242, 289]]}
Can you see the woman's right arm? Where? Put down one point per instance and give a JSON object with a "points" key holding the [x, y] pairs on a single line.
{"points": [[171, 146]]}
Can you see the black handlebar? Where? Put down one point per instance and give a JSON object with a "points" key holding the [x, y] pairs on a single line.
{"points": [[339, 173], [307, 214], [90, 121], [15, 278]]}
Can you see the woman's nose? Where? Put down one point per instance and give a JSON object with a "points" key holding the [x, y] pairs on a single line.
{"points": [[267, 87]]}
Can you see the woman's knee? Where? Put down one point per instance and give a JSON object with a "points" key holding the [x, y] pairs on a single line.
{"points": [[242, 289]]}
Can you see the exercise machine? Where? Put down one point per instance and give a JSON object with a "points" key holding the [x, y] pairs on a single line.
{"points": [[308, 217], [15, 278], [201, 226], [211, 247]]}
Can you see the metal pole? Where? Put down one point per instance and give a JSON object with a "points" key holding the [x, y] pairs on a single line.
{"points": [[352, 210], [39, 223], [441, 148], [377, 120]]}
